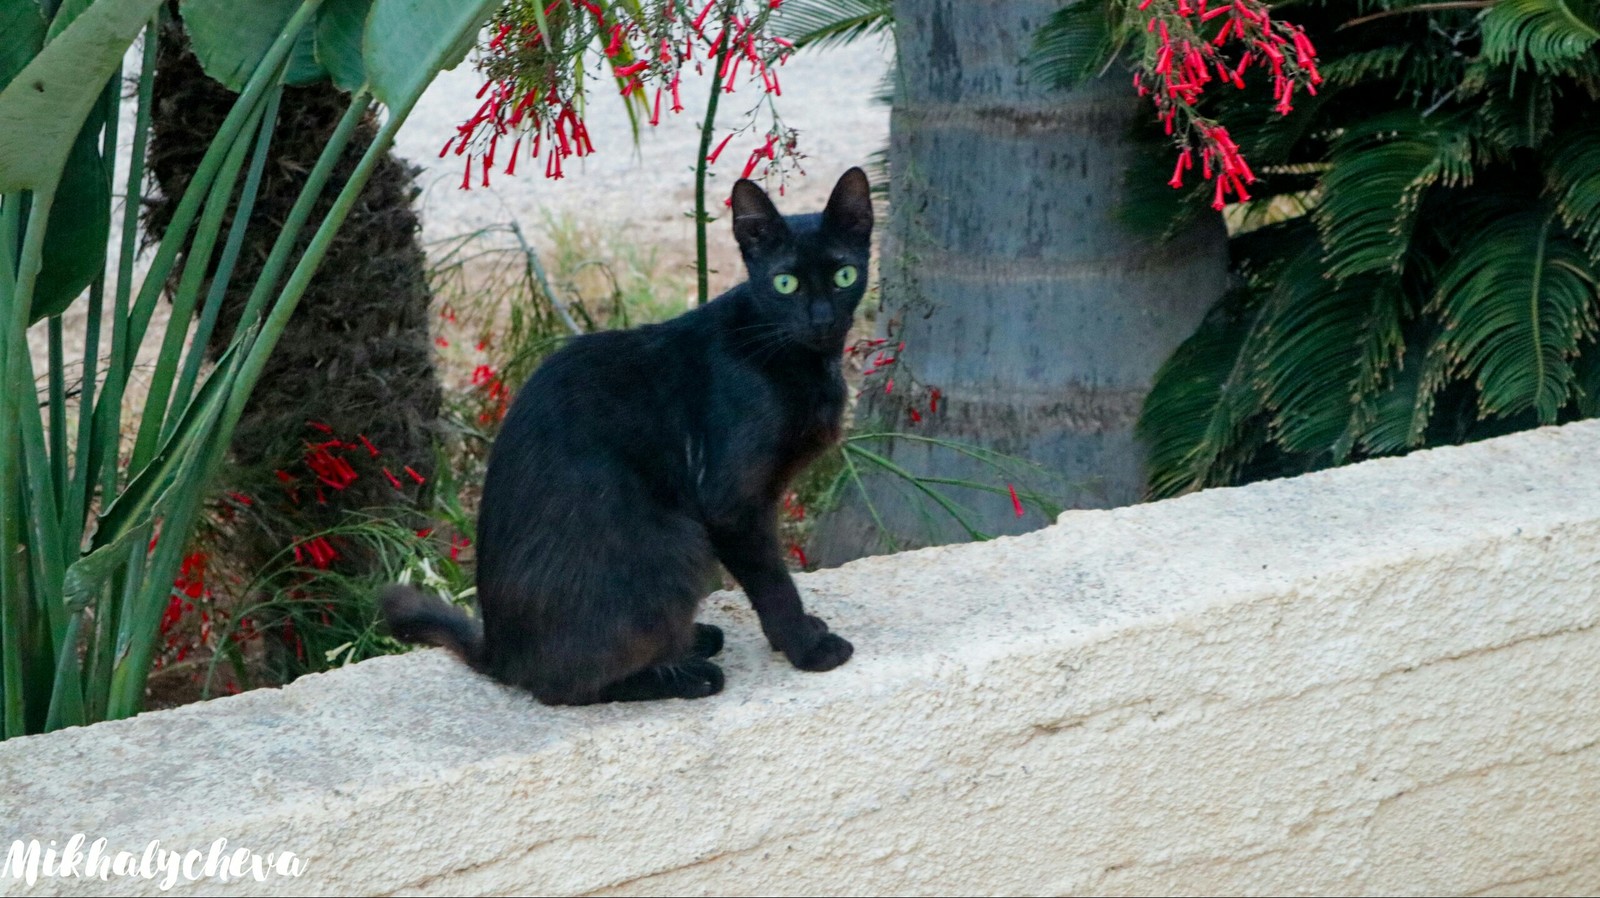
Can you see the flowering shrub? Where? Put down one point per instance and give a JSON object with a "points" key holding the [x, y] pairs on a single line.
{"points": [[1184, 45], [534, 65], [1180, 49]]}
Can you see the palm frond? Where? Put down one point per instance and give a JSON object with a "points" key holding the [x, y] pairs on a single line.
{"points": [[1194, 417], [1375, 184], [1542, 34], [1364, 66], [1572, 175], [824, 23], [1390, 429], [1515, 303], [1075, 43], [1327, 348], [1586, 370]]}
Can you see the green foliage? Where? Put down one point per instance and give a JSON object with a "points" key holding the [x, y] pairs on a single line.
{"points": [[1077, 43], [823, 23], [1419, 259], [1546, 35], [95, 530], [1516, 300]]}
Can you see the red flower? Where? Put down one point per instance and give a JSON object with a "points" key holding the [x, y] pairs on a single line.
{"points": [[1016, 504]]}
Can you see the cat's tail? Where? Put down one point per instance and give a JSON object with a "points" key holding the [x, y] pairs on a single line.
{"points": [[419, 617]]}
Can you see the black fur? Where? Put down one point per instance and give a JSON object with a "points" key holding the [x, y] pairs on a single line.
{"points": [[633, 461]]}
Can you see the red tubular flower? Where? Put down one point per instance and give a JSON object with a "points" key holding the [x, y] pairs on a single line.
{"points": [[718, 151], [1016, 504]]}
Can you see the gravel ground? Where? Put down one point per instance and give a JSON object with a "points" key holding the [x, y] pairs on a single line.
{"points": [[648, 191]]}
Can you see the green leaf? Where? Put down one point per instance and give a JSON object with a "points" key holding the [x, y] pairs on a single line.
{"points": [[230, 39], [824, 23], [1572, 174], [1075, 44], [401, 44], [1587, 369], [64, 16], [1374, 187], [1327, 348], [43, 109], [80, 224], [1516, 301], [24, 27], [174, 462], [303, 67], [339, 27], [1543, 34], [1392, 426], [1197, 408]]}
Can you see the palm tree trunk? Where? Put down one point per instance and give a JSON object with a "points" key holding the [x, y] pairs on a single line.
{"points": [[356, 357], [1018, 292]]}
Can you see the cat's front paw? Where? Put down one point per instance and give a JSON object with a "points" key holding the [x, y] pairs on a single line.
{"points": [[810, 646], [826, 653]]}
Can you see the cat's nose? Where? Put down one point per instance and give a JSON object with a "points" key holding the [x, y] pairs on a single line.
{"points": [[821, 315]]}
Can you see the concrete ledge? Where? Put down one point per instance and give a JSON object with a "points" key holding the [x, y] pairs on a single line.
{"points": [[1384, 678]]}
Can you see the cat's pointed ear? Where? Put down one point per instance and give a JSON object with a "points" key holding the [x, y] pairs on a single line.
{"points": [[850, 208], [756, 222]]}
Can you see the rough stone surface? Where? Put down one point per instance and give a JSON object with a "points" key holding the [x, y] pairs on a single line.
{"points": [[1380, 679]]}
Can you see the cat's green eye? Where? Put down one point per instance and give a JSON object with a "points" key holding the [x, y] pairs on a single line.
{"points": [[786, 283], [845, 276]]}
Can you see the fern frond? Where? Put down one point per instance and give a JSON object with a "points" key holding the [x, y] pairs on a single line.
{"points": [[823, 23], [1515, 303], [1542, 34], [1075, 43]]}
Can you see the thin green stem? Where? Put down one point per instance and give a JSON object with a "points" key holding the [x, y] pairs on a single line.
{"points": [[107, 415], [20, 406], [300, 213], [702, 163], [81, 486], [13, 586], [157, 418], [57, 397], [230, 257]]}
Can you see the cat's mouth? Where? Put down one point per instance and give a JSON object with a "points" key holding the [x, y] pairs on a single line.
{"points": [[822, 339]]}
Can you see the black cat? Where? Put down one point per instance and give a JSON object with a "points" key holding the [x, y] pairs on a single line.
{"points": [[633, 461]]}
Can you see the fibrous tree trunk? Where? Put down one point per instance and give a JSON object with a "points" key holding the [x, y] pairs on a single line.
{"points": [[355, 363], [1018, 292]]}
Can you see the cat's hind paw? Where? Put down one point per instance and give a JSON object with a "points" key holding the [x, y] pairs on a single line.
{"points": [[707, 641], [690, 678]]}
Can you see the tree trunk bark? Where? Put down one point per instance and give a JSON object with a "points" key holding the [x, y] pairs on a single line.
{"points": [[356, 357], [1018, 293]]}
